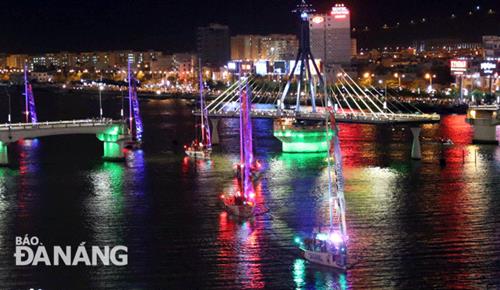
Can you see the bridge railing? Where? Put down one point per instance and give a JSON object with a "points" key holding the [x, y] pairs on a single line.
{"points": [[375, 117], [59, 124]]}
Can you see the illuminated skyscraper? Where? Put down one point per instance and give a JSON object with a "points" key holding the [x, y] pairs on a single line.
{"points": [[330, 35]]}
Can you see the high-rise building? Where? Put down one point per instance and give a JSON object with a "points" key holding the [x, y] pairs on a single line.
{"points": [[213, 43], [245, 47], [17, 60], [330, 35], [279, 47], [264, 47]]}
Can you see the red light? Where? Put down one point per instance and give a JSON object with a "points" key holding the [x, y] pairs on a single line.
{"points": [[339, 11]]}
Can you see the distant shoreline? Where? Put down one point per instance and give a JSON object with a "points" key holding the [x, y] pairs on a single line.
{"points": [[424, 107]]}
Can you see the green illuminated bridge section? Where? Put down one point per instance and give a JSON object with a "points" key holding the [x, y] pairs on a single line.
{"points": [[112, 133]]}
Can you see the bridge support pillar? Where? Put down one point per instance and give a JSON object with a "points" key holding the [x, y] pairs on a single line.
{"points": [[484, 119], [4, 157], [114, 139], [114, 151], [215, 131], [416, 152], [485, 134]]}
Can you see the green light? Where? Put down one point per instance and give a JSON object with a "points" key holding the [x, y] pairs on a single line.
{"points": [[299, 273], [112, 151], [343, 282], [111, 134], [297, 240], [304, 147], [304, 141], [4, 158]]}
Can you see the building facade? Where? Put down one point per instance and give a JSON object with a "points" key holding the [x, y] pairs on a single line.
{"points": [[264, 47], [330, 36], [491, 46]]}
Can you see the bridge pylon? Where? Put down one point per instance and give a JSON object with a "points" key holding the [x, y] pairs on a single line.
{"points": [[304, 61]]}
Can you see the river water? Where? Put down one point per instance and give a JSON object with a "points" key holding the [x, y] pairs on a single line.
{"points": [[411, 224]]}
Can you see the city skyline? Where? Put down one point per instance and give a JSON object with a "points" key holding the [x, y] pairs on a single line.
{"points": [[172, 26]]}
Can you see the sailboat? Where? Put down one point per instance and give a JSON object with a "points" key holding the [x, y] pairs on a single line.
{"points": [[328, 247], [201, 149], [241, 203]]}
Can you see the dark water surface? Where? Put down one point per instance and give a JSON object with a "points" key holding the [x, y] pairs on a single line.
{"points": [[411, 224]]}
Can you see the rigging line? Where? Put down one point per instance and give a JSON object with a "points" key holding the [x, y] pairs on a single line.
{"points": [[355, 102]]}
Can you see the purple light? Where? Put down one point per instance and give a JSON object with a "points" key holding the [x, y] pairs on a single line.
{"points": [[246, 142], [29, 99], [134, 107], [336, 238]]}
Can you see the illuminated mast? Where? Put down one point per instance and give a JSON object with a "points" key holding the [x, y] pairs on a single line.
{"points": [[205, 127], [246, 148], [305, 57], [134, 113], [29, 99], [336, 183]]}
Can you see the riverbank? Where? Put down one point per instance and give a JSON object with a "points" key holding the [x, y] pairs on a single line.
{"points": [[438, 107]]}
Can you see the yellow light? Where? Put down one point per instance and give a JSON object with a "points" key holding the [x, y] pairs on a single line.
{"points": [[427, 76], [366, 75]]}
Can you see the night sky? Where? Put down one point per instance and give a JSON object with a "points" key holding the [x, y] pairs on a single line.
{"points": [[52, 25]]}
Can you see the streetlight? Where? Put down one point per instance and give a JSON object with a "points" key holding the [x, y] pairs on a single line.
{"points": [[429, 77], [385, 90], [399, 76]]}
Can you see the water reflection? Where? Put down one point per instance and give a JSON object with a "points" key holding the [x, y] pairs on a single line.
{"points": [[240, 240]]}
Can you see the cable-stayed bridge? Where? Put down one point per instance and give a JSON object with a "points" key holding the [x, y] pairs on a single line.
{"points": [[353, 103]]}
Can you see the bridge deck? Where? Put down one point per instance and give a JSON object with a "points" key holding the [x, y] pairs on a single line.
{"points": [[364, 118], [59, 124], [15, 131]]}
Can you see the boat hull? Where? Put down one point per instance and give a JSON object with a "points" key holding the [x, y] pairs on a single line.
{"points": [[322, 258], [243, 211], [198, 154]]}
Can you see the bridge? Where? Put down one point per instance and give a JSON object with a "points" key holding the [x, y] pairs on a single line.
{"points": [[356, 117], [351, 103], [114, 134]]}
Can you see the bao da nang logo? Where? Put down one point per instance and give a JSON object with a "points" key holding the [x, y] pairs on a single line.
{"points": [[31, 252]]}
